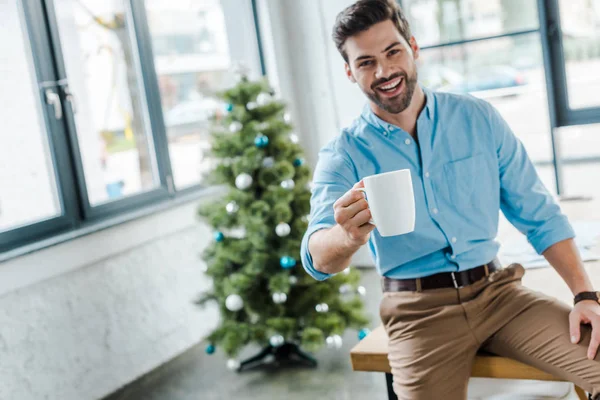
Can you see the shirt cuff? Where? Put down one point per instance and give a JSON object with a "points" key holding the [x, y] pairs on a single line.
{"points": [[307, 261], [553, 231]]}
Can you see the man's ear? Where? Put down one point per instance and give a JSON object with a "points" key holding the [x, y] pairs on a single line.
{"points": [[415, 47], [349, 73]]}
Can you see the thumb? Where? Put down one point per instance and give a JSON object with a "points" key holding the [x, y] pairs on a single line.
{"points": [[359, 184], [574, 326]]}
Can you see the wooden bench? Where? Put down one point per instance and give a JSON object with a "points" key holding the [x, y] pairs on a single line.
{"points": [[370, 354]]}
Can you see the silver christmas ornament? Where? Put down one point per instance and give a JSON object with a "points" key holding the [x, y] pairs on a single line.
{"points": [[282, 229], [232, 207], [361, 290], [279, 298], [233, 364], [251, 106], [334, 342], [287, 118], [234, 302], [239, 232], [322, 308], [346, 271], [288, 184], [276, 340], [345, 288], [243, 181], [254, 318], [293, 280], [235, 126], [294, 138], [268, 162], [263, 99]]}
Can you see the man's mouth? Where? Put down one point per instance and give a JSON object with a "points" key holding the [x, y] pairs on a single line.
{"points": [[392, 88]]}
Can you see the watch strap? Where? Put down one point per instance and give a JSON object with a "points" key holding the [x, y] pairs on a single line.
{"points": [[587, 296]]}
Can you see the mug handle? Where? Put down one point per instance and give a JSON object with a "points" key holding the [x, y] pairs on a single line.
{"points": [[364, 192]]}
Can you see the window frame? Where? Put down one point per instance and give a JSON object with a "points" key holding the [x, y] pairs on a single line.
{"points": [[565, 115], [77, 214]]}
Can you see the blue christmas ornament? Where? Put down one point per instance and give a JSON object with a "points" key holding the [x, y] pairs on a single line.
{"points": [[287, 262], [219, 237], [210, 349], [298, 162], [261, 141], [229, 107], [363, 333]]}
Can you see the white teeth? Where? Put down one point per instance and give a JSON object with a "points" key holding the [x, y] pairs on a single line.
{"points": [[391, 85]]}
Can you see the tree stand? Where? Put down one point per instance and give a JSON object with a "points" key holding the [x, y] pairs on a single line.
{"points": [[288, 354]]}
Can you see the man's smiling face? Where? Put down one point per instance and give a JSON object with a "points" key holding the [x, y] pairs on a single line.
{"points": [[383, 64]]}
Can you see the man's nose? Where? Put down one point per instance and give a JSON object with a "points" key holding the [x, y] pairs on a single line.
{"points": [[384, 70]]}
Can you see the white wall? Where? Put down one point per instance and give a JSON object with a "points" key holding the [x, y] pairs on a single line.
{"points": [[118, 306]]}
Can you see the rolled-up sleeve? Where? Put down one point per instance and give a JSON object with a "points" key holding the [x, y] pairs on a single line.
{"points": [[524, 199], [333, 176]]}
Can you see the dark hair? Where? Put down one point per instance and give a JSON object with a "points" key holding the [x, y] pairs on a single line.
{"points": [[362, 15]]}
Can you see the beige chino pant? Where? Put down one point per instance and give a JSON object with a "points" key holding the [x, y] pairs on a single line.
{"points": [[435, 334]]}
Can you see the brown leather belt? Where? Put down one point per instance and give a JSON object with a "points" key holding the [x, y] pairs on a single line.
{"points": [[442, 280]]}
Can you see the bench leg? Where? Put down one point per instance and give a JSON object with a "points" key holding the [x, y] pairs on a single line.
{"points": [[580, 393], [390, 388]]}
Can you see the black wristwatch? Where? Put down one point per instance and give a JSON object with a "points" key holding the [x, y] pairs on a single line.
{"points": [[587, 296]]}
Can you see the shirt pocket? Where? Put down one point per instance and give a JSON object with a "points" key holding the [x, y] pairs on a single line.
{"points": [[464, 178]]}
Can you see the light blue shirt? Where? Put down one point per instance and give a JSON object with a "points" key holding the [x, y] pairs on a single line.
{"points": [[466, 167]]}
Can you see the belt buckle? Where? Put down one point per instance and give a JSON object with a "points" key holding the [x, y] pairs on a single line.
{"points": [[454, 281]]}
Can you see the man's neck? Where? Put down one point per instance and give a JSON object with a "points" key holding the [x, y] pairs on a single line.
{"points": [[407, 119]]}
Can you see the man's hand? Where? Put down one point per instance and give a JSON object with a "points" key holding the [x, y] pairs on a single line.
{"points": [[586, 312], [352, 214]]}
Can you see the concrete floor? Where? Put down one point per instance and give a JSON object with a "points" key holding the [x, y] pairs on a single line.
{"points": [[195, 375]]}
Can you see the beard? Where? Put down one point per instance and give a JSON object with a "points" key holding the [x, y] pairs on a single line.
{"points": [[396, 104]]}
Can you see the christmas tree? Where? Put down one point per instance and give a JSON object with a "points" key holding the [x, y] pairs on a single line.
{"points": [[263, 293]]}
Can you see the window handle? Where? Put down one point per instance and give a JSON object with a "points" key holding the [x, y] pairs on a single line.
{"points": [[70, 98], [53, 99]]}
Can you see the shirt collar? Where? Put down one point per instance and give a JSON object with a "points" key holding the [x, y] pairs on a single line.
{"points": [[369, 116]]}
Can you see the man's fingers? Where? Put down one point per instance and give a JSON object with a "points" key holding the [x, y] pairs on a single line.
{"points": [[361, 218], [351, 196], [360, 184], [344, 214], [593, 349], [575, 326], [595, 339]]}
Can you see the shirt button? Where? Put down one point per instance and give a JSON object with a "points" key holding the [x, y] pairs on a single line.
{"points": [[453, 240], [385, 133], [435, 210], [407, 141], [426, 174], [453, 256]]}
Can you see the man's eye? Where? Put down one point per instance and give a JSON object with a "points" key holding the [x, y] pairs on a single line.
{"points": [[394, 52], [365, 63]]}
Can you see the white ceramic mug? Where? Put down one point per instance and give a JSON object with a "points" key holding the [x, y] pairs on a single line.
{"points": [[391, 201]]}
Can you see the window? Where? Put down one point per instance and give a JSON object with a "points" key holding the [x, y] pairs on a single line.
{"points": [[514, 53], [111, 114], [445, 21], [28, 191], [195, 49], [105, 105], [580, 27]]}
